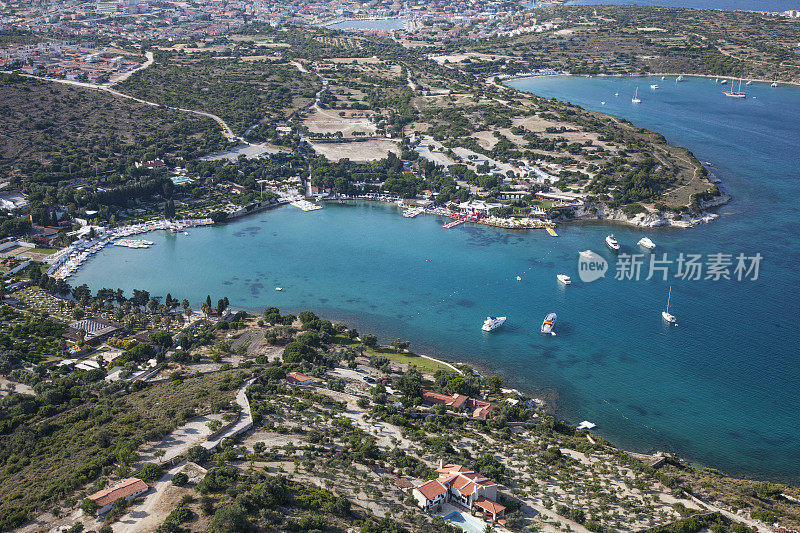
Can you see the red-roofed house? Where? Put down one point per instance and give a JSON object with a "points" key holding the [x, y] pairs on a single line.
{"points": [[430, 494], [460, 403], [127, 489], [490, 508], [298, 378], [461, 485]]}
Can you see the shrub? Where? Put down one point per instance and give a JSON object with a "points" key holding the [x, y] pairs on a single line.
{"points": [[89, 507], [231, 518], [179, 515], [150, 473], [763, 515], [197, 454], [180, 479]]}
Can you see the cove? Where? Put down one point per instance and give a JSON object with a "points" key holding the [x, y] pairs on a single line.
{"points": [[721, 389]]}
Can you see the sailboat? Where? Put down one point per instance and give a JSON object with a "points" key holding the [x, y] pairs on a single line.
{"points": [[636, 99], [737, 93], [665, 314]]}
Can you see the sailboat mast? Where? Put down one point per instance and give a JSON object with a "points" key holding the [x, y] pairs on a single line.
{"points": [[668, 297]]}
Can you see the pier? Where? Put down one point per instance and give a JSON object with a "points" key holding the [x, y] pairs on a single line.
{"points": [[305, 205], [455, 223]]}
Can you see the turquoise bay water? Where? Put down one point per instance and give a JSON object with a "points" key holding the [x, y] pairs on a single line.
{"points": [[722, 388]]}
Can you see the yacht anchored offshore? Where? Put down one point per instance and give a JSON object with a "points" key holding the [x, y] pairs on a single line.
{"points": [[493, 322], [563, 278], [612, 243], [549, 322], [645, 242], [737, 93], [666, 315]]}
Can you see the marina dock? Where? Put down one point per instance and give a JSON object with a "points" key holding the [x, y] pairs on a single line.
{"points": [[68, 260], [455, 223], [305, 205]]}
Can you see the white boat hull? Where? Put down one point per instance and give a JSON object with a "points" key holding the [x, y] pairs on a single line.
{"points": [[645, 242], [493, 323], [612, 243]]}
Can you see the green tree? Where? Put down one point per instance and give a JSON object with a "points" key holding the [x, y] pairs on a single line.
{"points": [[89, 507], [410, 383], [150, 473], [231, 518]]}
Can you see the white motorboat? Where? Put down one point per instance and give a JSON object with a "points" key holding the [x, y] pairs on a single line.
{"points": [[493, 322], [723, 82], [278, 288], [612, 243], [666, 314], [774, 84], [549, 322], [645, 242], [519, 278], [563, 278], [654, 86]]}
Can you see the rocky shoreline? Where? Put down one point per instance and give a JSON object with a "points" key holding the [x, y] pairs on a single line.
{"points": [[603, 213]]}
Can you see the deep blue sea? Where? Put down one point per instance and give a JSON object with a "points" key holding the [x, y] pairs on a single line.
{"points": [[722, 388]]}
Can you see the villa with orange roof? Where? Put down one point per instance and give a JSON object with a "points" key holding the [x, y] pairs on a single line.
{"points": [[125, 489], [460, 485], [460, 403]]}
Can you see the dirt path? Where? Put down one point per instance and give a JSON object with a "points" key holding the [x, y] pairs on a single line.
{"points": [[7, 386], [126, 75], [227, 131], [150, 514], [181, 439]]}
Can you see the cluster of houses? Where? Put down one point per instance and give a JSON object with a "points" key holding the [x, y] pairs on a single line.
{"points": [[64, 59], [460, 485]]}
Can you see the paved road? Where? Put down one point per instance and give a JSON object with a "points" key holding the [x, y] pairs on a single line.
{"points": [[244, 423]]}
